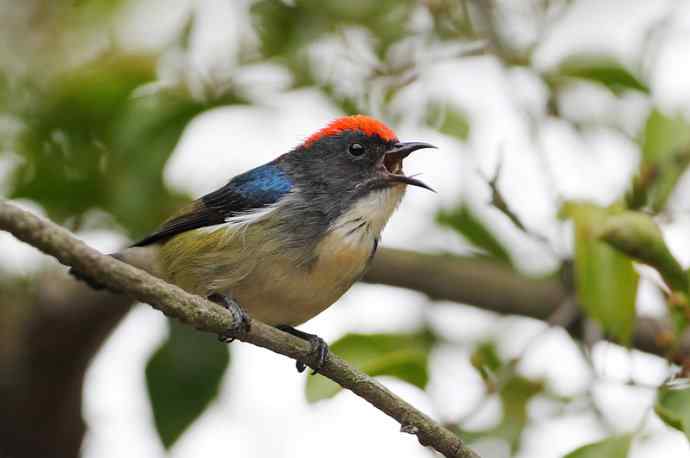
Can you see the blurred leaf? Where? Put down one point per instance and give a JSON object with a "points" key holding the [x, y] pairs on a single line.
{"points": [[613, 447], [463, 220], [673, 407], [404, 356], [665, 156], [486, 360], [605, 280], [278, 25], [348, 105], [88, 95], [515, 394], [663, 135], [141, 141], [92, 142], [5, 94], [185, 36], [637, 235], [85, 11], [182, 378], [449, 121], [451, 19], [287, 28], [601, 69], [65, 143]]}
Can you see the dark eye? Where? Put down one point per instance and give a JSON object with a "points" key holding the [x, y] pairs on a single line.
{"points": [[356, 149]]}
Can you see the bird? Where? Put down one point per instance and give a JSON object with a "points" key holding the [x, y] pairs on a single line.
{"points": [[285, 240]]}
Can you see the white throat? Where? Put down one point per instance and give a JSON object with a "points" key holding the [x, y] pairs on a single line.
{"points": [[365, 220]]}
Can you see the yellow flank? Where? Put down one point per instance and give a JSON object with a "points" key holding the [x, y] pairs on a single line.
{"points": [[274, 285]]}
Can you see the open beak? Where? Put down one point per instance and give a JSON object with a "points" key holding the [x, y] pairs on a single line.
{"points": [[404, 149], [392, 161]]}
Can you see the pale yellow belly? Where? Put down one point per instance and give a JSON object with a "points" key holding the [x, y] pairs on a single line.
{"points": [[281, 293]]}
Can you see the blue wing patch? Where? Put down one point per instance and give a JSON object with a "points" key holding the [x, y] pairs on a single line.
{"points": [[262, 185], [254, 189]]}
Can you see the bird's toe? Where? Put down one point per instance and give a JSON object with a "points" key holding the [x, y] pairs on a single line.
{"points": [[317, 355], [241, 320]]}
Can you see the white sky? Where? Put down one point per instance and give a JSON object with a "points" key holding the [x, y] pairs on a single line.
{"points": [[261, 411]]}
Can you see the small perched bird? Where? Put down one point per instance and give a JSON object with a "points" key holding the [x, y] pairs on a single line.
{"points": [[287, 239]]}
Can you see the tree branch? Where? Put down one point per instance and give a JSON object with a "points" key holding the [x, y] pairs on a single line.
{"points": [[210, 317], [483, 283], [498, 288]]}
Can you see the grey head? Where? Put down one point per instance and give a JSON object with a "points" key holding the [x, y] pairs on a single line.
{"points": [[344, 163]]}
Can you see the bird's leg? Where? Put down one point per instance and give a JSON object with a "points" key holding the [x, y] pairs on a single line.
{"points": [[240, 317], [318, 352]]}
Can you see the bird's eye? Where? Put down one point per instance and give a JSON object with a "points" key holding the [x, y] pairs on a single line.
{"points": [[356, 149]]}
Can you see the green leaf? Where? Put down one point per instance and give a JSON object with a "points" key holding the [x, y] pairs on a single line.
{"points": [[515, 393], [141, 140], [673, 407], [603, 70], [449, 121], [65, 144], [612, 447], [605, 280], [663, 135], [463, 220], [285, 29], [665, 156], [637, 235], [182, 377], [92, 141], [274, 19], [404, 356], [486, 360]]}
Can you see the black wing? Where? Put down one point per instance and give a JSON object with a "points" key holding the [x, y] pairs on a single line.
{"points": [[252, 190]]}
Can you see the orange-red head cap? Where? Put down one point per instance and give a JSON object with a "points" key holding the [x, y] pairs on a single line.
{"points": [[366, 124]]}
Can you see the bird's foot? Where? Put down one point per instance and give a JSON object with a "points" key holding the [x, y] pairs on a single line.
{"points": [[318, 353], [242, 323]]}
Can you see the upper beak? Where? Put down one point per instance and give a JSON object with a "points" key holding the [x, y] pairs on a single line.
{"points": [[404, 149], [396, 155]]}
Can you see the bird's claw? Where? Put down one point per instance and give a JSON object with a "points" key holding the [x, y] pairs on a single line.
{"points": [[242, 326], [241, 320], [317, 354]]}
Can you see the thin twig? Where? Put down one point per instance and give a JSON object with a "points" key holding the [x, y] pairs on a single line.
{"points": [[207, 316]]}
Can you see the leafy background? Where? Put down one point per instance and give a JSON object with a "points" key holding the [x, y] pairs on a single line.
{"points": [[564, 150]]}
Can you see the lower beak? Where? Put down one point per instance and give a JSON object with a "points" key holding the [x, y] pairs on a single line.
{"points": [[392, 178], [398, 153]]}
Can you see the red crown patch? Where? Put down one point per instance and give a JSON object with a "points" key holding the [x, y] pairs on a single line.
{"points": [[366, 124]]}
